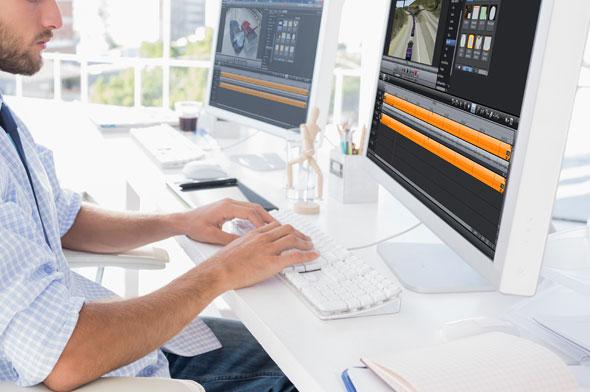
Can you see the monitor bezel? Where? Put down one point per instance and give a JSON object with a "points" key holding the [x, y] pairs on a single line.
{"points": [[321, 85], [515, 267]]}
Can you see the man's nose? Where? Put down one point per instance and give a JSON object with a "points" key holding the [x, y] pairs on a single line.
{"points": [[51, 15]]}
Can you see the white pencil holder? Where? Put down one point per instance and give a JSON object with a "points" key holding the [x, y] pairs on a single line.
{"points": [[348, 182]]}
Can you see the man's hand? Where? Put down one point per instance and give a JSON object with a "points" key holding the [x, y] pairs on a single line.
{"points": [[204, 224], [254, 257], [260, 254]]}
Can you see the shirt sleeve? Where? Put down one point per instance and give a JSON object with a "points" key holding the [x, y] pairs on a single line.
{"points": [[38, 315], [67, 202]]}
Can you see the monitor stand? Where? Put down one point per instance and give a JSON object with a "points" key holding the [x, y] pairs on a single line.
{"points": [[262, 162], [431, 268]]}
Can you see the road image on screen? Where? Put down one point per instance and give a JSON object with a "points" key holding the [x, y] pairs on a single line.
{"points": [[414, 30], [240, 36]]}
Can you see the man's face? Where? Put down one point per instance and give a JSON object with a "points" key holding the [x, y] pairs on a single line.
{"points": [[25, 28]]}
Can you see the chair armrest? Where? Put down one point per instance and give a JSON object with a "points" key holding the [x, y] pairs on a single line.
{"points": [[10, 387], [121, 384], [145, 258]]}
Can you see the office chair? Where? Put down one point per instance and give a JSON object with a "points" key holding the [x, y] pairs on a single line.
{"points": [[121, 384], [146, 258]]}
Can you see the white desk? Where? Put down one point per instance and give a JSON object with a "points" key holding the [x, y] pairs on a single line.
{"points": [[311, 352]]}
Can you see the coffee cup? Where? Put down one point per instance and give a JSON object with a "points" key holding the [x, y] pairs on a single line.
{"points": [[188, 115]]}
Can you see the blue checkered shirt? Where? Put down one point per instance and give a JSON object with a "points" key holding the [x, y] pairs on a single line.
{"points": [[40, 298]]}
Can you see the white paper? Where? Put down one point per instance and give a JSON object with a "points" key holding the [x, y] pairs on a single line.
{"points": [[485, 363], [574, 328]]}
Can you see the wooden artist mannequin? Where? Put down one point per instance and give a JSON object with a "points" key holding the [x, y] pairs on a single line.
{"points": [[309, 133]]}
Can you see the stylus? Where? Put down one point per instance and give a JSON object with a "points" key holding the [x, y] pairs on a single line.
{"points": [[208, 184]]}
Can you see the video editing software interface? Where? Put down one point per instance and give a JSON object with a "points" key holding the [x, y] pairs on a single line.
{"points": [[447, 110], [265, 59]]}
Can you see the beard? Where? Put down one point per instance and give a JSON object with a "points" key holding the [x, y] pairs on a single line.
{"points": [[14, 58]]}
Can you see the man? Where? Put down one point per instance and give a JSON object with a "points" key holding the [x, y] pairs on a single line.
{"points": [[53, 329]]}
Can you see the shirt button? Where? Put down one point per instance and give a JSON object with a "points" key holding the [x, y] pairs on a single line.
{"points": [[48, 269]]}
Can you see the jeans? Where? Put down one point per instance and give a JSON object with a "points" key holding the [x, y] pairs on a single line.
{"points": [[240, 365]]}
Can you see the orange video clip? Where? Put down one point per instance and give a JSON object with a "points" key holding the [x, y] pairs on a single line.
{"points": [[264, 95], [481, 173], [470, 135], [264, 83]]}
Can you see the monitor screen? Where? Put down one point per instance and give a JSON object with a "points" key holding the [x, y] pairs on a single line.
{"points": [[265, 57], [448, 105]]}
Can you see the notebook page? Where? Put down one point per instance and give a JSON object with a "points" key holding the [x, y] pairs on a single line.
{"points": [[485, 363], [392, 379]]}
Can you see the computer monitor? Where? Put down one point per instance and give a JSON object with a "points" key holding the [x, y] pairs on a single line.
{"points": [[273, 61], [472, 109]]}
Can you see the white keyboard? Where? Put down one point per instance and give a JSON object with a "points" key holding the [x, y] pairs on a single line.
{"points": [[338, 284], [166, 146]]}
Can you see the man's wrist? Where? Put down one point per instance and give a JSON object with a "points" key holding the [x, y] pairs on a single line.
{"points": [[212, 274], [175, 224]]}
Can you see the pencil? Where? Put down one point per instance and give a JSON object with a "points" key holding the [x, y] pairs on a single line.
{"points": [[362, 141]]}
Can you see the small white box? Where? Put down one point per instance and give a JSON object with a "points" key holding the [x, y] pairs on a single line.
{"points": [[348, 182]]}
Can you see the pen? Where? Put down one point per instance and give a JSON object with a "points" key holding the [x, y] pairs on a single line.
{"points": [[208, 184], [362, 140], [343, 130], [351, 145], [343, 147]]}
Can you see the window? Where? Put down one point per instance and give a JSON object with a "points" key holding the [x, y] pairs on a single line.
{"points": [[7, 84], [96, 57], [164, 58], [585, 77]]}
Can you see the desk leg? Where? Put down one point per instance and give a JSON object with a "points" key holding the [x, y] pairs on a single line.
{"points": [[132, 199], [131, 283], [132, 203]]}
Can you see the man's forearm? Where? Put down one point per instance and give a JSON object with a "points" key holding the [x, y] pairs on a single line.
{"points": [[111, 335], [100, 231]]}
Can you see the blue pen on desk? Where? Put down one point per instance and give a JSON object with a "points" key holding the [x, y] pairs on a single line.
{"points": [[348, 384]]}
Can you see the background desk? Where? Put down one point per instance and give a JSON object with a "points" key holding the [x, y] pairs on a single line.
{"points": [[311, 352]]}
